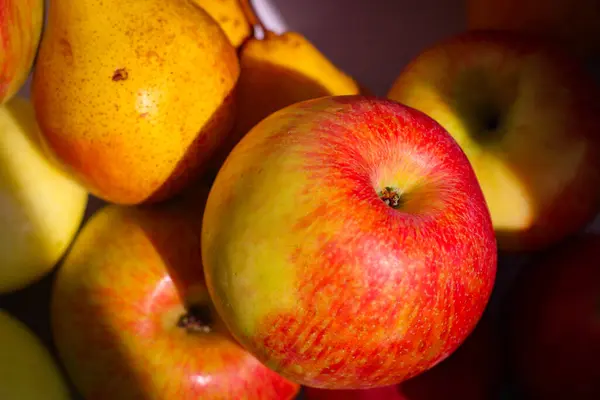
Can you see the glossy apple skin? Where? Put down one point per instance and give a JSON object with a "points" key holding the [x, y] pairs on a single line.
{"points": [[472, 372], [555, 322], [20, 30], [115, 307], [321, 280], [539, 170]]}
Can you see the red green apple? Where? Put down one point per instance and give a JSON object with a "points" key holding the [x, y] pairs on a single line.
{"points": [[472, 372], [347, 244], [556, 322], [574, 24], [20, 30], [132, 319], [27, 370], [527, 116]]}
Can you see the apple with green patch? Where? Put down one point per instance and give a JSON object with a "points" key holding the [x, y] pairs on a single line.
{"points": [[132, 318], [20, 31], [347, 244], [527, 116]]}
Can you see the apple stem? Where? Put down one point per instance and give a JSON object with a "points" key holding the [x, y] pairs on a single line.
{"points": [[196, 319], [391, 196]]}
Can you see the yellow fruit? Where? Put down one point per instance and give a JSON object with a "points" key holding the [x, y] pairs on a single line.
{"points": [[27, 370], [133, 97], [40, 207], [230, 16]]}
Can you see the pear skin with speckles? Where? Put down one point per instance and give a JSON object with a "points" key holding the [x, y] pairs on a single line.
{"points": [[134, 97], [230, 16]]}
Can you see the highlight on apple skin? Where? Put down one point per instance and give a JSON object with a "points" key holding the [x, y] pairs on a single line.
{"points": [[527, 116], [132, 319], [347, 243]]}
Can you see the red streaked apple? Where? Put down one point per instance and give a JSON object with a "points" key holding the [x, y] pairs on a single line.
{"points": [[20, 31], [472, 372], [555, 322], [527, 116], [347, 244], [132, 319]]}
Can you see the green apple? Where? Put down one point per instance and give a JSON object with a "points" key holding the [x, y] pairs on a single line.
{"points": [[27, 370], [526, 114], [40, 207]]}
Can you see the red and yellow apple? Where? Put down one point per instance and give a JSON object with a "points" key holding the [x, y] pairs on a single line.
{"points": [[555, 323], [27, 370], [347, 243], [574, 24], [527, 116], [472, 372], [20, 31], [132, 319]]}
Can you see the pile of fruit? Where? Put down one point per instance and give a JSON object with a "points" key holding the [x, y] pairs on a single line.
{"points": [[220, 212]]}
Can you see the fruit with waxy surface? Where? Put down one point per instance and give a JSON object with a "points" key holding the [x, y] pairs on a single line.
{"points": [[527, 116], [41, 208], [20, 31], [555, 322], [134, 97], [131, 316], [279, 70], [472, 372], [27, 370], [231, 18], [573, 24], [321, 279]]}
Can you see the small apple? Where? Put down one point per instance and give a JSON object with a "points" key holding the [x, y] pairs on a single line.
{"points": [[574, 24], [347, 244], [20, 31], [555, 322], [527, 116], [27, 370], [41, 208], [472, 372], [132, 319]]}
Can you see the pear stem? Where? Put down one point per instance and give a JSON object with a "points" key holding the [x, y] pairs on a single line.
{"points": [[252, 15]]}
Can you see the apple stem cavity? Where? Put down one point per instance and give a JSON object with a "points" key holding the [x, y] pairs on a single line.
{"points": [[392, 197], [197, 319]]}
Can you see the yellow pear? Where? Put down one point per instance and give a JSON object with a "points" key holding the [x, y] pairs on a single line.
{"points": [[133, 97], [230, 16], [279, 70], [41, 208], [27, 370]]}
